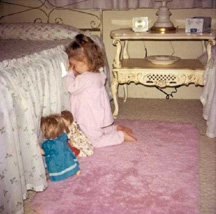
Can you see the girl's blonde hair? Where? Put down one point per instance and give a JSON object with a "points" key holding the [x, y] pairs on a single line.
{"points": [[52, 126], [83, 48]]}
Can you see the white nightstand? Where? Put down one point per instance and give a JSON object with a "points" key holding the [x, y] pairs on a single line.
{"points": [[182, 72]]}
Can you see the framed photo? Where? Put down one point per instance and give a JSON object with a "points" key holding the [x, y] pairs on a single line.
{"points": [[140, 24]]}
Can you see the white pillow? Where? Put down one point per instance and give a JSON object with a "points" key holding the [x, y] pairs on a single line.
{"points": [[37, 31]]}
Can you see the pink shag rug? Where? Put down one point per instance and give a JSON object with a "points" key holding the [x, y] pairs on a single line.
{"points": [[157, 175]]}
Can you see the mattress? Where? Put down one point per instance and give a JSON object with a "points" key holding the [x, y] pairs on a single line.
{"points": [[17, 48]]}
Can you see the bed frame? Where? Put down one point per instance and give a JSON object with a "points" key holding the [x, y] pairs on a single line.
{"points": [[47, 8]]}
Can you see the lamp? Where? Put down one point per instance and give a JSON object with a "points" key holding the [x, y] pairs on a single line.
{"points": [[163, 23]]}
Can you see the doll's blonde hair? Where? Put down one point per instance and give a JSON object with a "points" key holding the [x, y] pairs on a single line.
{"points": [[52, 126], [83, 47]]}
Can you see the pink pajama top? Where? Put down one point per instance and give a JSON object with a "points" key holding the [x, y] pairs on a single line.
{"points": [[89, 100]]}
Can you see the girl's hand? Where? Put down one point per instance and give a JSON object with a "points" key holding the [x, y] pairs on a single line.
{"points": [[69, 69], [76, 73]]}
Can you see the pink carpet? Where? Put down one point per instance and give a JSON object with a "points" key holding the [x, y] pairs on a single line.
{"points": [[157, 175]]}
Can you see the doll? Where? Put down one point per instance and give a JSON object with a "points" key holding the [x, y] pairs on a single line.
{"points": [[60, 160], [76, 136], [66, 130]]}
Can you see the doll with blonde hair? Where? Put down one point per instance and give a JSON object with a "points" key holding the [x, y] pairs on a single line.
{"points": [[61, 120], [60, 160], [90, 104], [76, 136]]}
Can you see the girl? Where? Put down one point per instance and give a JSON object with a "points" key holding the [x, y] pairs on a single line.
{"points": [[60, 160], [89, 100], [77, 138]]}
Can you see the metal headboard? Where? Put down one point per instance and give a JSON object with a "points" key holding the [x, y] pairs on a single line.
{"points": [[95, 25]]}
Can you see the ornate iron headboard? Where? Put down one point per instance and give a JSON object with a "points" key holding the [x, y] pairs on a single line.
{"points": [[47, 8]]}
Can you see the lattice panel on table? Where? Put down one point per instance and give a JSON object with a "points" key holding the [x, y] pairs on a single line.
{"points": [[160, 77]]}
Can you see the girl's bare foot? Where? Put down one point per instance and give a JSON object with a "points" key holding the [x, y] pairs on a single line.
{"points": [[78, 173], [128, 138], [125, 129]]}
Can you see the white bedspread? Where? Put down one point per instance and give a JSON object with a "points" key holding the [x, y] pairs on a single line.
{"points": [[30, 87]]}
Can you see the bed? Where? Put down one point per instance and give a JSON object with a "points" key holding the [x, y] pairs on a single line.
{"points": [[32, 63]]}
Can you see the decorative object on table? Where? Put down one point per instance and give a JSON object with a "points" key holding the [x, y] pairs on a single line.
{"points": [[158, 174], [163, 23], [163, 59], [198, 24], [140, 24]]}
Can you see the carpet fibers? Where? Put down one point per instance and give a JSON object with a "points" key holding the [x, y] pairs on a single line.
{"points": [[159, 174]]}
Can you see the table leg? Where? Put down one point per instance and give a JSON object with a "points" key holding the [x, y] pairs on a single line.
{"points": [[125, 54], [125, 92], [209, 46], [114, 89], [117, 63]]}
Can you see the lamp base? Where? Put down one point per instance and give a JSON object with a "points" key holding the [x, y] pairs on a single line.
{"points": [[162, 29]]}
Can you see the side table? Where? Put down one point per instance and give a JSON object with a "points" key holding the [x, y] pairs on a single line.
{"points": [[126, 70]]}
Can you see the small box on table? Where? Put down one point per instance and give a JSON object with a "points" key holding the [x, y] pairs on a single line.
{"points": [[198, 24]]}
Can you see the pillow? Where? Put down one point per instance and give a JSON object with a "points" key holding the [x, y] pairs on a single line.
{"points": [[37, 31]]}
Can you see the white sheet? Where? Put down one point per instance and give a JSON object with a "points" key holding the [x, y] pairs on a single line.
{"points": [[208, 96]]}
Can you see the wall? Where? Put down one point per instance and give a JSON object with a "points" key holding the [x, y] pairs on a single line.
{"points": [[121, 19]]}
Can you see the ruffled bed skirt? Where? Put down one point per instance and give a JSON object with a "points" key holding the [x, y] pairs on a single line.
{"points": [[30, 87]]}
